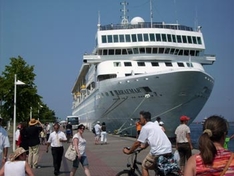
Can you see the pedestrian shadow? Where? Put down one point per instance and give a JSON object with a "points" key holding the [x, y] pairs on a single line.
{"points": [[45, 166], [64, 172]]}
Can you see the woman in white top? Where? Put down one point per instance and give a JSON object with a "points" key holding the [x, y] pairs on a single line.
{"points": [[80, 143], [17, 164]]}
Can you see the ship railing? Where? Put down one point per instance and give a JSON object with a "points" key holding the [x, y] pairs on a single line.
{"points": [[146, 25]]}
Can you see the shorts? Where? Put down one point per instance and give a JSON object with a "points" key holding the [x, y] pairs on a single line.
{"points": [[83, 160], [150, 162], [184, 151]]}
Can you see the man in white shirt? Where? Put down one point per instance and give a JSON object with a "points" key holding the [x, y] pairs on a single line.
{"points": [[97, 132], [151, 135], [4, 144], [55, 141]]}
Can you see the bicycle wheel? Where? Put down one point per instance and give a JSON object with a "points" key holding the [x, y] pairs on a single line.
{"points": [[126, 173]]}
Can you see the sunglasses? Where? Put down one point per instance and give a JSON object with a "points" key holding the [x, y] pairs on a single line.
{"points": [[82, 128]]}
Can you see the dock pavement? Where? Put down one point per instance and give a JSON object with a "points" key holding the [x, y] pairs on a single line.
{"points": [[104, 160]]}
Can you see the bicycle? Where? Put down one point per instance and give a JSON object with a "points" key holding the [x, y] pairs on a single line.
{"points": [[135, 171]]}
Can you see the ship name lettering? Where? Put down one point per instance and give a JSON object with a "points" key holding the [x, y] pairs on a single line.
{"points": [[127, 91]]}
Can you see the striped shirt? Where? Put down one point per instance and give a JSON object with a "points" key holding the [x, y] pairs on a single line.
{"points": [[219, 163]]}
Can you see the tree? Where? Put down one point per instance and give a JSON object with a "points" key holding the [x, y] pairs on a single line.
{"points": [[27, 96]]}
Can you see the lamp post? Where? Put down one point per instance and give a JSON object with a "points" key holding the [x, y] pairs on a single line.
{"points": [[18, 82]]}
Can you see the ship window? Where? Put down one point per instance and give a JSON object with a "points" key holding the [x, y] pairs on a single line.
{"points": [[186, 52], [127, 64], [167, 50], [141, 64], [124, 51], [128, 74], [135, 50], [128, 39], [178, 38], [192, 52], [148, 50], [118, 51], [121, 38], [176, 51], [117, 64], [107, 76], [146, 37], [116, 39], [180, 52], [174, 38], [158, 37], [129, 50], [104, 52], [111, 52], [103, 39], [180, 64], [142, 50], [172, 50], [99, 52], [189, 39], [154, 64], [164, 37], [155, 50], [134, 39], [184, 39], [169, 37], [161, 50], [109, 38], [189, 64], [194, 40], [139, 36], [168, 64], [199, 40], [197, 53], [152, 37], [147, 89], [106, 93]]}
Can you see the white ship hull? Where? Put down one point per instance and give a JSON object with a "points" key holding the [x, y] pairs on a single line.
{"points": [[173, 94]]}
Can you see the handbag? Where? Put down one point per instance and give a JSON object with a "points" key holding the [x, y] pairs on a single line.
{"points": [[228, 164], [70, 153]]}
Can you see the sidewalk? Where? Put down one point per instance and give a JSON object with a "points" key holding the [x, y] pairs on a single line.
{"points": [[104, 160]]}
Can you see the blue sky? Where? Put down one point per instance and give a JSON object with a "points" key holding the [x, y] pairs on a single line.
{"points": [[54, 34]]}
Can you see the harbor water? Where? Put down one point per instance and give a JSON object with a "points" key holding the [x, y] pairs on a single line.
{"points": [[196, 131]]}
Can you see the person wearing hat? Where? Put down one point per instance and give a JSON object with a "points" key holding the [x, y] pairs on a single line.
{"points": [[4, 144], [183, 141], [17, 164], [33, 132], [97, 132]]}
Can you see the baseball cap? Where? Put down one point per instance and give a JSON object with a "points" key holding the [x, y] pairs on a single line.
{"points": [[184, 118]]}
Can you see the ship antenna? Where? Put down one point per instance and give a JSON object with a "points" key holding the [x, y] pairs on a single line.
{"points": [[99, 21], [151, 14], [124, 16], [177, 22]]}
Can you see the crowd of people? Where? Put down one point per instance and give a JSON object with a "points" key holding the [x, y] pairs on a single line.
{"points": [[213, 156]]}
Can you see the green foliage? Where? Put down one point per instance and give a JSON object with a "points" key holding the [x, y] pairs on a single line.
{"points": [[27, 97]]}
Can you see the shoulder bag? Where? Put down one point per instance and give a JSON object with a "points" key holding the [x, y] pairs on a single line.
{"points": [[70, 154], [228, 164]]}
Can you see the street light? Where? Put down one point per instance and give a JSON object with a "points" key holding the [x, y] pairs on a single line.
{"points": [[18, 82]]}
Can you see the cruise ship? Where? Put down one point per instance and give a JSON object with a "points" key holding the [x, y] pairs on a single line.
{"points": [[138, 65]]}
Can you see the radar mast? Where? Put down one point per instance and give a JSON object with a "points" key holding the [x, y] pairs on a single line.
{"points": [[124, 16]]}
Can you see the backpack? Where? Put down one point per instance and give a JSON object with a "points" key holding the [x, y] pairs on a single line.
{"points": [[93, 130]]}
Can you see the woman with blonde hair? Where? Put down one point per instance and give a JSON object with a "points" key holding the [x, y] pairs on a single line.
{"points": [[213, 159]]}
